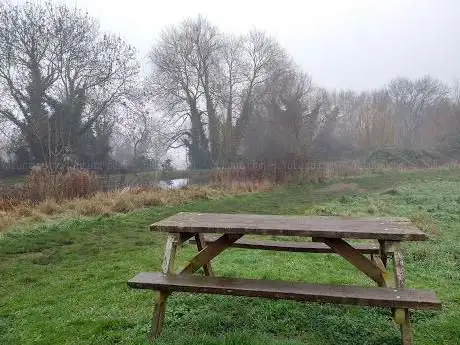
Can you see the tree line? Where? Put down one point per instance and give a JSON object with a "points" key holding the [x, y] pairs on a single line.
{"points": [[71, 92]]}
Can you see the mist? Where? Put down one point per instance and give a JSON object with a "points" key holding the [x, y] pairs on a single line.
{"points": [[204, 90]]}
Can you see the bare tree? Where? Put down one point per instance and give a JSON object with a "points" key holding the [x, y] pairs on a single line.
{"points": [[371, 117], [212, 86], [411, 100], [177, 86], [231, 85], [262, 59], [138, 135], [291, 113], [60, 75], [207, 43], [229, 98]]}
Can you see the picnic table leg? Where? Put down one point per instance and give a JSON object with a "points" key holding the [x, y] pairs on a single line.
{"points": [[200, 244], [209, 252], [203, 257], [160, 296], [402, 316], [373, 270], [383, 252]]}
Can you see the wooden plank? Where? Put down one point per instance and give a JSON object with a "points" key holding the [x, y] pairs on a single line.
{"points": [[277, 289], [406, 329], [209, 252], [353, 256], [385, 274], [383, 252], [161, 296], [301, 247], [398, 263], [378, 261], [169, 253], [158, 313], [404, 322], [200, 244], [310, 226]]}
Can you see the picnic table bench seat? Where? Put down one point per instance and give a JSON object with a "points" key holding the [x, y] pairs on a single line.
{"points": [[300, 246], [281, 289]]}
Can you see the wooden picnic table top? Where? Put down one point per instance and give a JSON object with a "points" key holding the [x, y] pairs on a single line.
{"points": [[392, 229]]}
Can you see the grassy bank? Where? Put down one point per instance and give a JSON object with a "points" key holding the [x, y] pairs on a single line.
{"points": [[65, 283], [25, 213]]}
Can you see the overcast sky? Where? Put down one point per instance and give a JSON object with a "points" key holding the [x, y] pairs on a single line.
{"points": [[357, 44]]}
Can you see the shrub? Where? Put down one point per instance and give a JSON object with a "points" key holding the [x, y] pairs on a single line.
{"points": [[5, 220], [151, 199], [49, 207], [73, 183], [90, 207], [25, 210], [123, 205], [10, 197]]}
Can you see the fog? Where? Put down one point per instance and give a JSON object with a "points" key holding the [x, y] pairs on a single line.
{"points": [[208, 84], [354, 44]]}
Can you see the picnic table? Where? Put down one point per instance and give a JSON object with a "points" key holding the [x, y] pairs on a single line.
{"points": [[328, 235]]}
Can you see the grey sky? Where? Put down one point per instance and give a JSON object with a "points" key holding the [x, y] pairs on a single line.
{"points": [[354, 44]]}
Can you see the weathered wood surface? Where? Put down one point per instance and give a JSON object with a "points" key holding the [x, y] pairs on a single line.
{"points": [[205, 256], [162, 296], [383, 251], [276, 289], [201, 244], [302, 247], [398, 266], [397, 229], [368, 267], [401, 316], [406, 329]]}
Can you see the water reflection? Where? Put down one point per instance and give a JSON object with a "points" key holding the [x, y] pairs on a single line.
{"points": [[175, 183]]}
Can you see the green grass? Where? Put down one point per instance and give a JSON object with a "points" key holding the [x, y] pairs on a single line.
{"points": [[12, 179], [65, 283]]}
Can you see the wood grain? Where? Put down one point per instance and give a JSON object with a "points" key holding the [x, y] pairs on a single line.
{"points": [[205, 256], [161, 297], [368, 267], [276, 289], [201, 244], [397, 229], [300, 246]]}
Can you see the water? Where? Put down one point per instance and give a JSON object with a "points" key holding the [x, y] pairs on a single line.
{"points": [[175, 183]]}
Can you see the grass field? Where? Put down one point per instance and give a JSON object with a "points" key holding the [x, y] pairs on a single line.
{"points": [[65, 283]]}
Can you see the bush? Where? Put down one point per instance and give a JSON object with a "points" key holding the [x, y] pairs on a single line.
{"points": [[11, 197], [5, 220], [49, 207], [25, 210], [42, 184], [123, 204], [404, 158], [90, 207]]}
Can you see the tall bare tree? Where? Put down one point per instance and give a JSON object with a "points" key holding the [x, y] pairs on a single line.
{"points": [[262, 60], [412, 100], [210, 86], [60, 74], [179, 64], [231, 85]]}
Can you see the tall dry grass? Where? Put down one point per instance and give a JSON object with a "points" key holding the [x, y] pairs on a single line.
{"points": [[120, 201], [43, 184]]}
